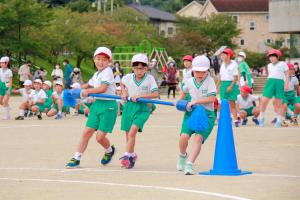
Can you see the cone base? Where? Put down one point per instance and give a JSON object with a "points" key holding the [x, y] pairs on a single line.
{"points": [[225, 173]]}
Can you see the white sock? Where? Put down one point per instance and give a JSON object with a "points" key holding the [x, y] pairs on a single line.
{"points": [[189, 163], [77, 156], [279, 118], [6, 112], [108, 150], [183, 155], [22, 112], [261, 115], [59, 112]]}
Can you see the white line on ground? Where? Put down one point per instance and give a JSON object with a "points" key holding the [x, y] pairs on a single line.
{"points": [[131, 171], [130, 186], [19, 126]]}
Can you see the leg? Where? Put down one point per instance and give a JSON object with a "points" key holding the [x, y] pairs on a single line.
{"points": [[131, 138], [109, 150], [255, 112], [183, 144], [51, 112], [196, 148], [233, 109], [6, 107], [102, 139], [243, 114]]}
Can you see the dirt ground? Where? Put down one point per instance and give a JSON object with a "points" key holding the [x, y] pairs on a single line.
{"points": [[33, 155]]}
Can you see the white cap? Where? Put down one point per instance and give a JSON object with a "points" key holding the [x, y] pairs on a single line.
{"points": [[170, 58], [27, 82], [59, 83], [118, 88], [48, 83], [76, 85], [76, 69], [242, 54], [140, 58], [153, 60], [38, 81], [4, 59], [200, 63], [103, 50]]}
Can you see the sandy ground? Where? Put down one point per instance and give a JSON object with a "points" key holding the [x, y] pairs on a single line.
{"points": [[33, 155]]}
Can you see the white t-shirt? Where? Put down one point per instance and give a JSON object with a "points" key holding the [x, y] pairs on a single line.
{"points": [[24, 72], [5, 75], [24, 93], [187, 74], [36, 96], [205, 88], [277, 71], [58, 73], [105, 76], [145, 86], [293, 83], [228, 72], [246, 103], [56, 95]]}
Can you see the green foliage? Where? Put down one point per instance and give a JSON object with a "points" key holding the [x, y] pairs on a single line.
{"points": [[255, 59]]}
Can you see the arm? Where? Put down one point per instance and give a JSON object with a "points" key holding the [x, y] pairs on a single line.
{"points": [[297, 88], [205, 100], [232, 84], [286, 82], [151, 95], [97, 90]]}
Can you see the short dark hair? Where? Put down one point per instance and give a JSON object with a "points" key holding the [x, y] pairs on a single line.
{"points": [[28, 62], [296, 63], [66, 60]]}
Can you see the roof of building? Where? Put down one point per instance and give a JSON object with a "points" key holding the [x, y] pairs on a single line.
{"points": [[241, 5], [153, 13]]}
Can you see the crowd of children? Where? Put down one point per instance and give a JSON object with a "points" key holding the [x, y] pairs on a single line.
{"points": [[197, 87]]}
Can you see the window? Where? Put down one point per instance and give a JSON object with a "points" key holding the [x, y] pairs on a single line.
{"points": [[269, 41], [170, 30], [288, 41], [163, 33], [235, 18], [242, 42], [251, 25]]}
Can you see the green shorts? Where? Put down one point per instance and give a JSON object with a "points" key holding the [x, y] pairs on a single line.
{"points": [[64, 109], [81, 108], [249, 111], [290, 98], [134, 114], [103, 114], [274, 87], [232, 95], [211, 122], [42, 107], [3, 89], [48, 103]]}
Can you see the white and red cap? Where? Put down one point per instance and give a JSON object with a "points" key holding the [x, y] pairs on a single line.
{"points": [[48, 83], [142, 58], [27, 82], [76, 85], [4, 59], [59, 83], [200, 63], [103, 51], [243, 54], [38, 81]]}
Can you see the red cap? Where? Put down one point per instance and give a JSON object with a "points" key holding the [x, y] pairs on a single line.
{"points": [[188, 57], [246, 88], [229, 52], [291, 66], [274, 51]]}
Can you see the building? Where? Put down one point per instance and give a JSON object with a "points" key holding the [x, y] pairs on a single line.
{"points": [[193, 9], [252, 17], [285, 19], [164, 21]]}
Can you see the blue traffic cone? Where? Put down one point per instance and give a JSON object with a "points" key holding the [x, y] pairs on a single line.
{"points": [[225, 162]]}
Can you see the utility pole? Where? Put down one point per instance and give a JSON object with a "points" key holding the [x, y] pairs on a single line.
{"points": [[111, 7], [104, 7], [99, 7]]}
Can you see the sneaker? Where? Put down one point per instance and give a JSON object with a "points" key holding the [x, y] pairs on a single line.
{"points": [[284, 123], [244, 122], [236, 123], [19, 118], [188, 169], [261, 122], [108, 156], [39, 116], [58, 117], [294, 121], [181, 162], [255, 120], [73, 163], [75, 113], [274, 120], [128, 162]]}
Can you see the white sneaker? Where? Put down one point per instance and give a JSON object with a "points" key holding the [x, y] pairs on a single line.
{"points": [[188, 169]]}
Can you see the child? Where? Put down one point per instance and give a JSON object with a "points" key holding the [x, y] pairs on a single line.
{"points": [[290, 95], [245, 74], [5, 86], [37, 98], [47, 88], [119, 101], [136, 85], [25, 92], [202, 89], [277, 82], [103, 112], [83, 105], [187, 72], [228, 78], [245, 105], [58, 105]]}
